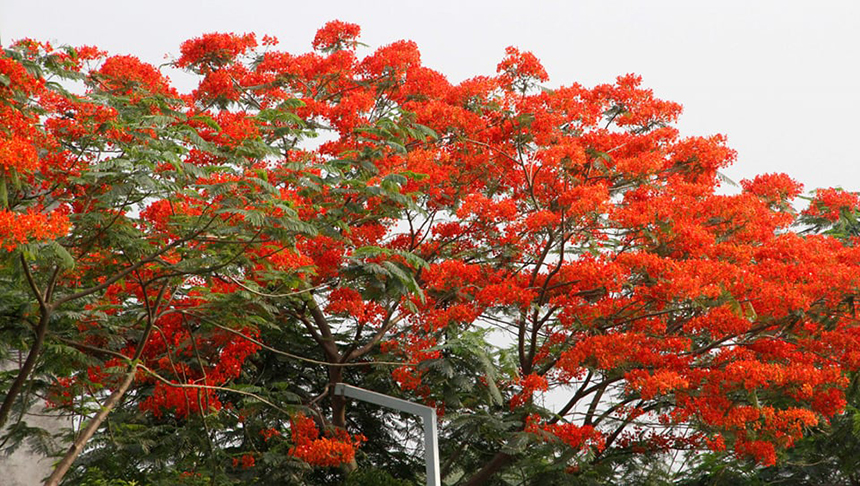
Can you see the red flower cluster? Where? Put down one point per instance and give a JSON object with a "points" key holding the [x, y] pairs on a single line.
{"points": [[775, 188], [18, 154], [17, 228], [334, 449], [269, 433], [213, 51], [245, 462], [519, 65], [336, 35], [829, 203], [529, 384], [127, 75], [576, 437], [19, 80], [224, 353]]}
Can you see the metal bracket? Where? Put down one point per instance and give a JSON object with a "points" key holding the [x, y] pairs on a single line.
{"points": [[427, 414]]}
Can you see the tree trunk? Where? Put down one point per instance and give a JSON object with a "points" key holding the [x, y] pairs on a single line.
{"points": [[500, 461], [26, 368]]}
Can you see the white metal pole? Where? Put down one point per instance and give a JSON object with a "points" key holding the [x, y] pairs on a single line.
{"points": [[427, 414], [431, 448]]}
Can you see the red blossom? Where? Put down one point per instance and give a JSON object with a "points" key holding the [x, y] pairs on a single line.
{"points": [[529, 384], [245, 462], [829, 203], [20, 228], [519, 65], [127, 74], [212, 51], [773, 187], [336, 35], [331, 450]]}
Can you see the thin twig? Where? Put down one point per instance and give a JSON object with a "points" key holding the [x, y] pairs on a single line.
{"points": [[210, 387], [273, 296], [291, 355]]}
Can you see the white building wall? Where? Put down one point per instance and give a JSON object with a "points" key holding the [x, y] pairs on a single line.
{"points": [[25, 467]]}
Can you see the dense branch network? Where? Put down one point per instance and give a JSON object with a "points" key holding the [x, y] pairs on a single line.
{"points": [[553, 269]]}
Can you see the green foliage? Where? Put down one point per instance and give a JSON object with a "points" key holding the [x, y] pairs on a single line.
{"points": [[374, 477]]}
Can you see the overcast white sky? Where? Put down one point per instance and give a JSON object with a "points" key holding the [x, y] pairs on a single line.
{"points": [[779, 78]]}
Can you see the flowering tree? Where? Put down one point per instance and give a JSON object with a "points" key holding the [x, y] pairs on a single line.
{"points": [[192, 274]]}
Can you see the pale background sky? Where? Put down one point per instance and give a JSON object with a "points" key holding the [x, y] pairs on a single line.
{"points": [[780, 78]]}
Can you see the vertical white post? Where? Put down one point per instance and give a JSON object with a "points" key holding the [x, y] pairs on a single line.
{"points": [[431, 448], [428, 417]]}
